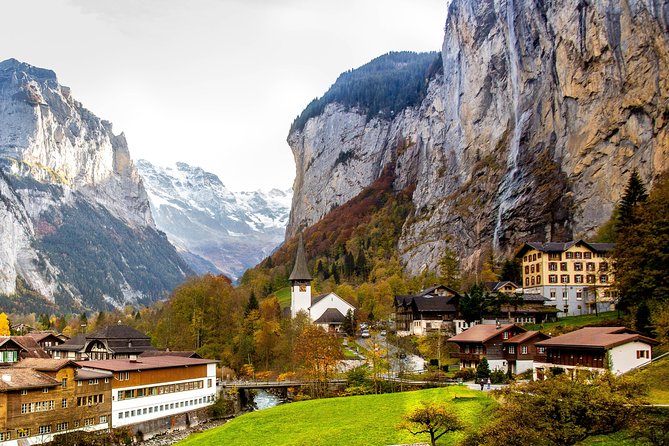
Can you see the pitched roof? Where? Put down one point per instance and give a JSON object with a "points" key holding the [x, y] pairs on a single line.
{"points": [[533, 297], [15, 378], [29, 346], [117, 332], [184, 354], [596, 337], [483, 332], [41, 335], [524, 337], [74, 344], [43, 364], [145, 363], [320, 297], [83, 374], [433, 303], [496, 286], [563, 246], [329, 316], [300, 270]]}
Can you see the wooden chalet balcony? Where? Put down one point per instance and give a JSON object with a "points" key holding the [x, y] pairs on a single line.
{"points": [[468, 356]]}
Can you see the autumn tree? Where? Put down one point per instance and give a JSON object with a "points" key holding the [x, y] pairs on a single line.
{"points": [[4, 325], [317, 352], [449, 268], [431, 419]]}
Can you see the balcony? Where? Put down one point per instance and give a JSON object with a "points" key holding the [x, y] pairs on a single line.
{"points": [[468, 356]]}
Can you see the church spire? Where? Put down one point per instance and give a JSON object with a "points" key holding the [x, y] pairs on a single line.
{"points": [[300, 270]]}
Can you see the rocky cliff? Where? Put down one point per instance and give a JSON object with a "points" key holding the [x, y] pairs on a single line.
{"points": [[76, 222], [530, 131], [215, 229]]}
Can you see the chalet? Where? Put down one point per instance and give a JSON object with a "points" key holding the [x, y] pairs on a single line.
{"points": [[112, 342], [45, 339], [521, 351], [156, 388], [575, 276], [326, 310], [435, 308], [594, 349], [41, 397], [15, 348], [495, 342]]}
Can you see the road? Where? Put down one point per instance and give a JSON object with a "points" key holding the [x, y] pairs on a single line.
{"points": [[411, 363]]}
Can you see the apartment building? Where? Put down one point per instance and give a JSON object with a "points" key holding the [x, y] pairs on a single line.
{"points": [[575, 276], [159, 387]]}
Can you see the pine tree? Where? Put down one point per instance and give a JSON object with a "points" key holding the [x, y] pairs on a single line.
{"points": [[252, 304], [483, 369], [634, 195]]}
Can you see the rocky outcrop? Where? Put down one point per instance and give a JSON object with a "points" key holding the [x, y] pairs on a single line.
{"points": [[541, 112], [72, 200]]}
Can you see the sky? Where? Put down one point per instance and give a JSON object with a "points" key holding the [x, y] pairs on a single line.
{"points": [[213, 83]]}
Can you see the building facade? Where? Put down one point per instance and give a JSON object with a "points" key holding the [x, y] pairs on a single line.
{"points": [[594, 349], [156, 387], [112, 342], [576, 277], [433, 309]]}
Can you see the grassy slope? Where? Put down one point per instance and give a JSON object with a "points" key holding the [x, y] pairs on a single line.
{"points": [[656, 377], [283, 295], [360, 420], [571, 323]]}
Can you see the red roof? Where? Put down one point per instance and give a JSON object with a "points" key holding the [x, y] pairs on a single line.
{"points": [[596, 337], [524, 337], [483, 332], [144, 363]]}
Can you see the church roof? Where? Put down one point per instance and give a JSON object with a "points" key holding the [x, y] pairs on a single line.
{"points": [[331, 315], [300, 270]]}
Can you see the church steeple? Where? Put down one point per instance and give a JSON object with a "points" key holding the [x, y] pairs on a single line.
{"points": [[300, 281]]}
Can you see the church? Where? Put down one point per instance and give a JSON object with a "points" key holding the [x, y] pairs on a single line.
{"points": [[326, 310]]}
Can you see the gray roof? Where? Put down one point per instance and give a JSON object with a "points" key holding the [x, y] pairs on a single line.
{"points": [[563, 246], [300, 270], [330, 316]]}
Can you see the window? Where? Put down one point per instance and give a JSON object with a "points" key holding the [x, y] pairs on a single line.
{"points": [[5, 436], [541, 350], [132, 413], [63, 403], [554, 256], [564, 278], [552, 266], [578, 278], [603, 278], [532, 269], [76, 423], [24, 392], [106, 380], [512, 349], [533, 280], [552, 294], [127, 413], [505, 335], [527, 281], [587, 255], [89, 421], [103, 419], [523, 349], [534, 257], [603, 266], [590, 266], [45, 429], [209, 382], [578, 266], [144, 411], [525, 259], [92, 382], [552, 278], [565, 296], [63, 383], [563, 266], [568, 255], [538, 280], [45, 390], [527, 269], [80, 383], [578, 255], [23, 433], [120, 415], [590, 278], [579, 295], [642, 354], [61, 426], [538, 267]]}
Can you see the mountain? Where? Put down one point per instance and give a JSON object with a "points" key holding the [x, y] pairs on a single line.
{"points": [[77, 230], [527, 128], [215, 229]]}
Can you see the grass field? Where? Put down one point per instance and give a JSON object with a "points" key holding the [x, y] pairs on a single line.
{"points": [[571, 323], [656, 377], [357, 420], [283, 295]]}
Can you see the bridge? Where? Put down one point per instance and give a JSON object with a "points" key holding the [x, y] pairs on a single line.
{"points": [[274, 384]]}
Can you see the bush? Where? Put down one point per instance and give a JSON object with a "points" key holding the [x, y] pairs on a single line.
{"points": [[465, 374], [498, 376], [222, 407]]}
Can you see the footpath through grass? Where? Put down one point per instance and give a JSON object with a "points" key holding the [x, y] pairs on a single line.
{"points": [[358, 420]]}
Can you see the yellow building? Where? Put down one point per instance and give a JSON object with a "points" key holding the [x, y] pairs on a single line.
{"points": [[575, 276]]}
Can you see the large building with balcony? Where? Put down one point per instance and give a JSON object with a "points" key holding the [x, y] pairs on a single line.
{"points": [[576, 277], [433, 309], [594, 349]]}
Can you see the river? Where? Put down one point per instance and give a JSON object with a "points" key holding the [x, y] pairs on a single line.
{"points": [[265, 400]]}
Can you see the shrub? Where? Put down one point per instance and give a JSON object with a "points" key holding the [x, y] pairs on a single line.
{"points": [[465, 374]]}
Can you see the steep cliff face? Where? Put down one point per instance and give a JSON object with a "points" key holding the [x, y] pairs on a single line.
{"points": [[541, 112], [72, 201]]}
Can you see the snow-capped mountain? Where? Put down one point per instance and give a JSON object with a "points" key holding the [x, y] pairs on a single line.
{"points": [[215, 229]]}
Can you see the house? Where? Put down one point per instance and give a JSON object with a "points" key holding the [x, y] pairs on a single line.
{"points": [[150, 389], [575, 276], [594, 349], [45, 339], [490, 340], [326, 310], [520, 351], [112, 342], [42, 397], [15, 348], [435, 308]]}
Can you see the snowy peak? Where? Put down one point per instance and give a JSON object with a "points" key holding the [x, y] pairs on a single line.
{"points": [[201, 216]]}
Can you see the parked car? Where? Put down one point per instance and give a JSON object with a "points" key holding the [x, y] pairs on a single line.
{"points": [[383, 333], [364, 334]]}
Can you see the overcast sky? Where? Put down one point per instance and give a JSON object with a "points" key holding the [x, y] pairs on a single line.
{"points": [[214, 83]]}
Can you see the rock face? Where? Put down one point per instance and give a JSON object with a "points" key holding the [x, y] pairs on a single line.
{"points": [[76, 222], [215, 230], [541, 112]]}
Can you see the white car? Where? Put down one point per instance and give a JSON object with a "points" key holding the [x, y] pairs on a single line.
{"points": [[364, 334]]}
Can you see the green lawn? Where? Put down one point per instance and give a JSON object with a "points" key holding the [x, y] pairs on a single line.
{"points": [[357, 420], [656, 377], [283, 295], [571, 323]]}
